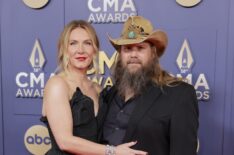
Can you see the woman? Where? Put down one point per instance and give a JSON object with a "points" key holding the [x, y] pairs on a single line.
{"points": [[70, 101]]}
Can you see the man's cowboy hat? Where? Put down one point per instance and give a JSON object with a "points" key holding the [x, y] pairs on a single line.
{"points": [[138, 29]]}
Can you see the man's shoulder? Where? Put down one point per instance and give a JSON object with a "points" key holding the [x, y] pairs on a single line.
{"points": [[179, 87]]}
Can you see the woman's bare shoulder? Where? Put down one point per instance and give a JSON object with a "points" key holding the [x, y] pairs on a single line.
{"points": [[56, 84]]}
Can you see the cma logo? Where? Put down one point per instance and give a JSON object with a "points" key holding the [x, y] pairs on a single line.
{"points": [[37, 140], [185, 63], [188, 3], [114, 11], [37, 59], [36, 4], [31, 84], [185, 59]]}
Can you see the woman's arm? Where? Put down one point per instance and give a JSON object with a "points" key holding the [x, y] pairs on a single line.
{"points": [[59, 115], [58, 112]]}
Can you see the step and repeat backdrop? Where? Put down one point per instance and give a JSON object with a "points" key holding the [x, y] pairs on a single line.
{"points": [[200, 49]]}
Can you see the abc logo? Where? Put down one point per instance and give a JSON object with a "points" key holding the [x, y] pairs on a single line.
{"points": [[36, 4], [37, 140], [188, 3]]}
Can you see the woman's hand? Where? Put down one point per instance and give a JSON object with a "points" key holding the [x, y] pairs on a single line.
{"points": [[124, 149]]}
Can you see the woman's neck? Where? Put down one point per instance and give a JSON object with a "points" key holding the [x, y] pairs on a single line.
{"points": [[77, 75]]}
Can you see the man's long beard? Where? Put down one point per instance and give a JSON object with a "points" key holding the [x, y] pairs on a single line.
{"points": [[136, 81]]}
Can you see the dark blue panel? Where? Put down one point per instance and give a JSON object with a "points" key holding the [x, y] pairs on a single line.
{"points": [[228, 148], [1, 103], [21, 26], [208, 29]]}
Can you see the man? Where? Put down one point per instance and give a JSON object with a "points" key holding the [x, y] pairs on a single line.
{"points": [[146, 104]]}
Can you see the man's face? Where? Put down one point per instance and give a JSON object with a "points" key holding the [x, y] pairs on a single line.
{"points": [[136, 56]]}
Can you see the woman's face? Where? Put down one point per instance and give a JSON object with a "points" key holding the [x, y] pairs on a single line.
{"points": [[80, 49]]}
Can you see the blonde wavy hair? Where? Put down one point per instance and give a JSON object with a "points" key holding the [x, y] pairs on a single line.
{"points": [[64, 40]]}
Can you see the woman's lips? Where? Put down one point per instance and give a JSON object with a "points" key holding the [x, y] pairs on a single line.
{"points": [[81, 58]]}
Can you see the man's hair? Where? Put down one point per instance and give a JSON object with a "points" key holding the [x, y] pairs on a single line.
{"points": [[162, 77]]}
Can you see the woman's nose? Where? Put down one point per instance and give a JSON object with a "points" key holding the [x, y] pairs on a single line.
{"points": [[80, 49]]}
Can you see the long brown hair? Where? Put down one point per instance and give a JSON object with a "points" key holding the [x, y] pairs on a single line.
{"points": [[162, 77]]}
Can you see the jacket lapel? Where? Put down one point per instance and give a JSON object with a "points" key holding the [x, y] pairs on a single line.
{"points": [[143, 104], [105, 100]]}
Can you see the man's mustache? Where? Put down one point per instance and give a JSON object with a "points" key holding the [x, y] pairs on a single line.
{"points": [[134, 61]]}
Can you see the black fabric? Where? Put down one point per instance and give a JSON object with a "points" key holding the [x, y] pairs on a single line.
{"points": [[106, 96], [117, 119], [84, 121], [164, 121]]}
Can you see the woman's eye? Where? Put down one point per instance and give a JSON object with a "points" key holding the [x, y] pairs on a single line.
{"points": [[88, 43], [72, 43]]}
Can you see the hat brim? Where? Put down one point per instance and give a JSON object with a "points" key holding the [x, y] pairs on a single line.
{"points": [[158, 38]]}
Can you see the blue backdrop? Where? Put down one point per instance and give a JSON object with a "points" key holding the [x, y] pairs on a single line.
{"points": [[202, 35], [1, 104]]}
